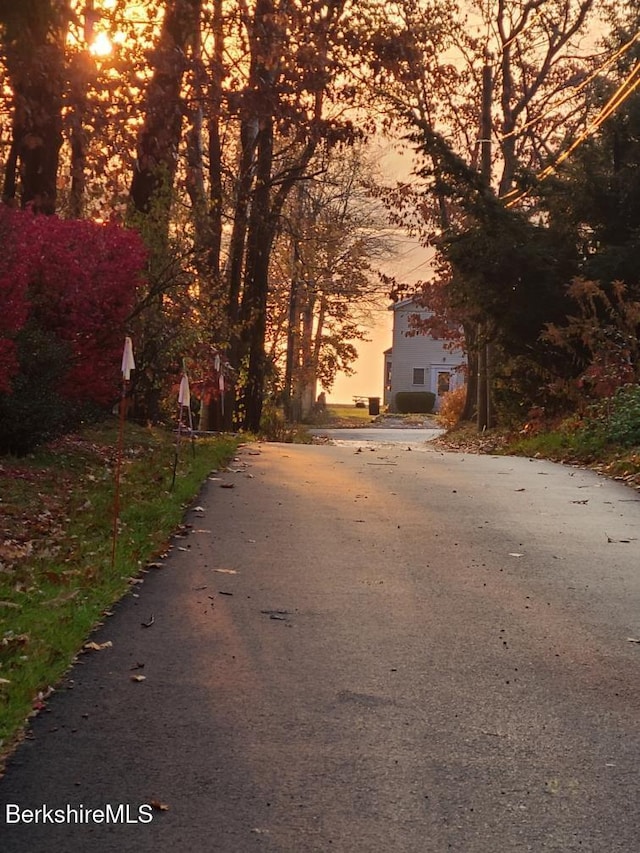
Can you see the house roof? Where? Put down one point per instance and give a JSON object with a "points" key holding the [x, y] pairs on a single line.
{"points": [[402, 303]]}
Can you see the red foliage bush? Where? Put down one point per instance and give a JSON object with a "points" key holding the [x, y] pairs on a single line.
{"points": [[74, 281], [13, 289]]}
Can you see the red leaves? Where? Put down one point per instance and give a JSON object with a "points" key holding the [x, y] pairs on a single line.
{"points": [[13, 286], [76, 282]]}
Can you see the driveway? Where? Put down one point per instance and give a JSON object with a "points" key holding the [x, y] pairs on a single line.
{"points": [[361, 650], [389, 431], [415, 438]]}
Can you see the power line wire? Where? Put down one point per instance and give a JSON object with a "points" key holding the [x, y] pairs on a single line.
{"points": [[620, 52], [624, 91]]}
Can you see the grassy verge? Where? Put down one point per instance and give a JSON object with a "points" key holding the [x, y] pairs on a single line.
{"points": [[58, 569], [562, 444]]}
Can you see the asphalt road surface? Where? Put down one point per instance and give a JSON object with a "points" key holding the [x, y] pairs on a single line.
{"points": [[416, 438], [359, 650]]}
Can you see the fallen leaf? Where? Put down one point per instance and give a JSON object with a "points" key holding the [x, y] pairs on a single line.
{"points": [[516, 555], [61, 599], [227, 485], [138, 678], [97, 647], [149, 623], [5, 681], [224, 572], [158, 806]]}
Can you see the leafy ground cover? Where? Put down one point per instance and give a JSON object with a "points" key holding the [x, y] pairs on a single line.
{"points": [[59, 570], [564, 443]]}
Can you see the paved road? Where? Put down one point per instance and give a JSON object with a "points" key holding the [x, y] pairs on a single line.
{"points": [[379, 651], [415, 438]]}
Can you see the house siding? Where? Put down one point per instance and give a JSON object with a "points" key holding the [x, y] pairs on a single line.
{"points": [[419, 353]]}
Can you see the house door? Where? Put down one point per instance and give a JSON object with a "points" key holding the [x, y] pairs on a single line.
{"points": [[440, 382]]}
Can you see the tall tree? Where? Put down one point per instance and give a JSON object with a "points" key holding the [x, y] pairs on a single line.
{"points": [[286, 107], [433, 65], [333, 239], [159, 139], [33, 36]]}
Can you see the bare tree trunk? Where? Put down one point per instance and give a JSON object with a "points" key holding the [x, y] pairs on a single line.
{"points": [[78, 109], [471, 400], [195, 182], [254, 300], [157, 149], [35, 45], [215, 144], [306, 378]]}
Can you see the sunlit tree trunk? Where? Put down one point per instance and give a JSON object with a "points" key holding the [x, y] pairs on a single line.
{"points": [[157, 148], [79, 73]]}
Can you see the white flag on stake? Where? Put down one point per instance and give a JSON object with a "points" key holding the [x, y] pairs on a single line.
{"points": [[184, 394], [128, 363], [221, 387]]}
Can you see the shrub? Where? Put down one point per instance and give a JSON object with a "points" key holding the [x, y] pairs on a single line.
{"points": [[622, 426], [452, 406], [67, 288], [13, 290], [419, 402]]}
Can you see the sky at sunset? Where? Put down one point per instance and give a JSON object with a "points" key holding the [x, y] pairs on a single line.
{"points": [[410, 264]]}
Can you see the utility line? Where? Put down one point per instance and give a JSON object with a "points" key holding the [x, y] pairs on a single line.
{"points": [[620, 52], [624, 91]]}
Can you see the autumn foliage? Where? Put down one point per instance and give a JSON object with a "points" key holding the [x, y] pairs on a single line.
{"points": [[13, 303], [67, 288], [600, 337]]}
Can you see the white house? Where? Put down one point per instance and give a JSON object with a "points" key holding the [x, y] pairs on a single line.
{"points": [[418, 362]]}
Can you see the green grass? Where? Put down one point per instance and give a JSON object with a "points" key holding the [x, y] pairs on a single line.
{"points": [[58, 569], [346, 412]]}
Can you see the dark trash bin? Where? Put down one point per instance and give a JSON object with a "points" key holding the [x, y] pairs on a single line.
{"points": [[374, 405]]}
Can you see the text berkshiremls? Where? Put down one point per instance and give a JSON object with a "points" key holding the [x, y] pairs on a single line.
{"points": [[79, 814]]}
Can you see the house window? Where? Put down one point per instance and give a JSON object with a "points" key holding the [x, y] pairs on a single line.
{"points": [[418, 375], [387, 376]]}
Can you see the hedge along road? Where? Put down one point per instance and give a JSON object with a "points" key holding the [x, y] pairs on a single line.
{"points": [[364, 650]]}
